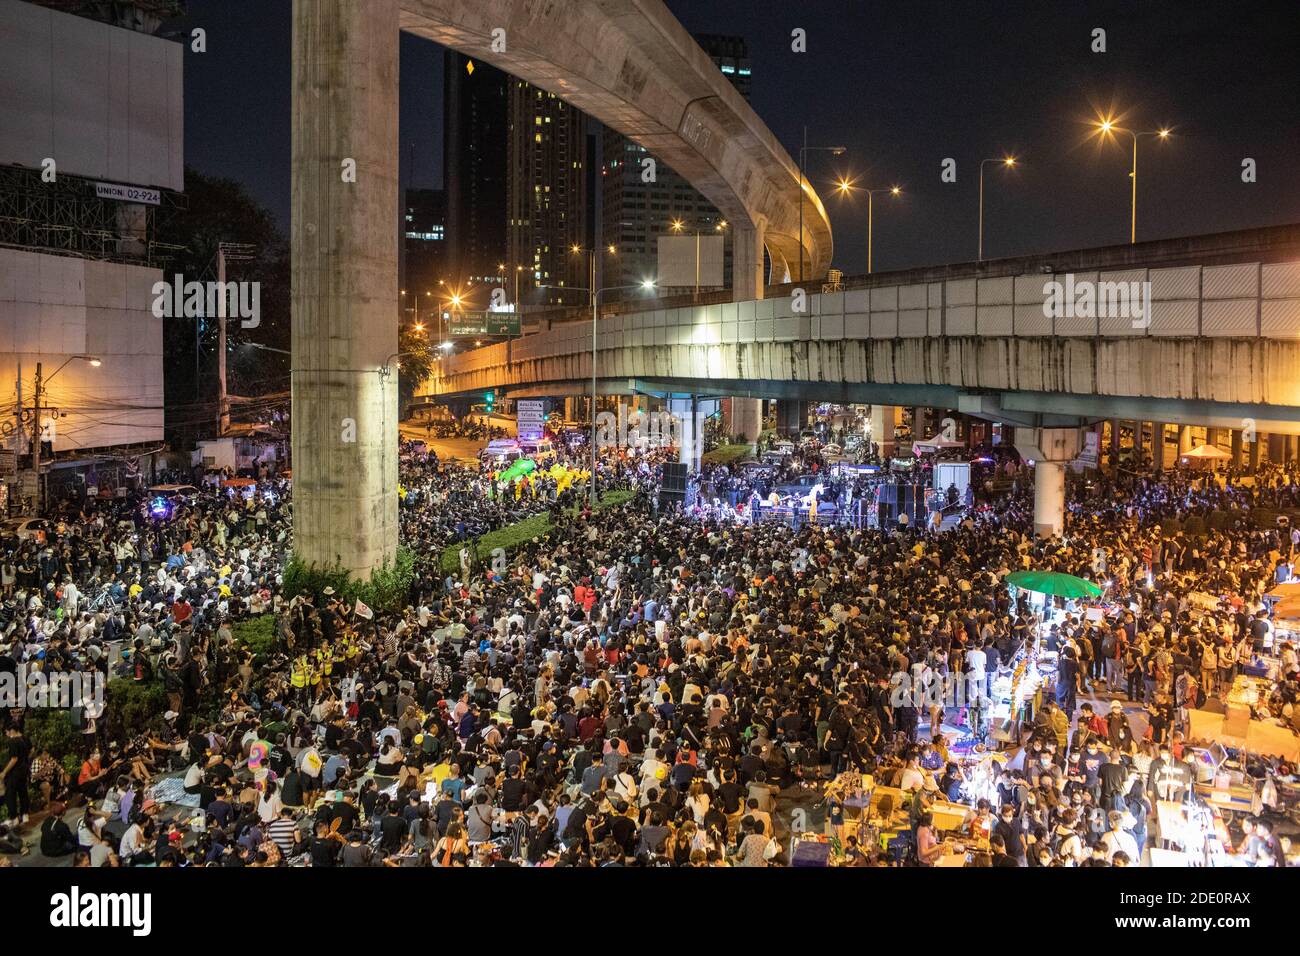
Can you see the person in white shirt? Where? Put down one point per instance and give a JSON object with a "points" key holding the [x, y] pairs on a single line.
{"points": [[132, 842], [1118, 838]]}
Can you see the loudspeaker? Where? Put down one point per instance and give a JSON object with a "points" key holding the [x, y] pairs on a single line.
{"points": [[674, 484], [674, 476]]}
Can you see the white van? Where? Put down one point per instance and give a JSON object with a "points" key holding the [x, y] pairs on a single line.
{"points": [[501, 453], [540, 451]]}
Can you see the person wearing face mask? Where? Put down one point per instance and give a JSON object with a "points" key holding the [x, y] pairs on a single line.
{"points": [[1011, 832], [1090, 763]]}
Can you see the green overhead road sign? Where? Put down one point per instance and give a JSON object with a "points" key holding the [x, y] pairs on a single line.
{"points": [[483, 323]]}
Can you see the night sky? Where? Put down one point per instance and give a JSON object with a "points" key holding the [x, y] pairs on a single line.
{"points": [[903, 85]]}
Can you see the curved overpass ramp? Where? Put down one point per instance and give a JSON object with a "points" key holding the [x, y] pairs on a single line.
{"points": [[632, 66]]}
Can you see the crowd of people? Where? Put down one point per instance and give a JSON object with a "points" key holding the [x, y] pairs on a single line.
{"points": [[636, 686]]}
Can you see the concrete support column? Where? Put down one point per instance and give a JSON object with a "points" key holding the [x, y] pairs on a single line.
{"points": [[791, 415], [1212, 436], [747, 281], [747, 418], [1158, 445], [1292, 448], [344, 282], [1254, 451], [1049, 498], [1277, 449], [921, 428], [882, 428], [1236, 448]]}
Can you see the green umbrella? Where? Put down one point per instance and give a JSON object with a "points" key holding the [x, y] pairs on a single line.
{"points": [[1053, 582]]}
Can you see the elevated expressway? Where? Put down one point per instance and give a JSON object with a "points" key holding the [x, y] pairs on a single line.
{"points": [[1222, 343]]}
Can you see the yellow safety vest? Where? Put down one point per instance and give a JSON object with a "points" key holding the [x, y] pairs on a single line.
{"points": [[298, 674]]}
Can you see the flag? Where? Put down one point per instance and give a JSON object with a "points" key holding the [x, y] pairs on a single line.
{"points": [[363, 611]]}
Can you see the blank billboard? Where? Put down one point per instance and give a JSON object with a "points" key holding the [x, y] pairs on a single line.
{"points": [[101, 101], [678, 256]]}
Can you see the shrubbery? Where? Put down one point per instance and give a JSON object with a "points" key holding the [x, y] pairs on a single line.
{"points": [[258, 634], [386, 590], [133, 708]]}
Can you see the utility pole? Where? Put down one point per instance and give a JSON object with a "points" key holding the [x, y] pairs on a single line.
{"points": [[20, 431], [223, 397], [38, 447]]}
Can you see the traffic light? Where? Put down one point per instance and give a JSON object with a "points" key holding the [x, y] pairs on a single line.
{"points": [[489, 399]]}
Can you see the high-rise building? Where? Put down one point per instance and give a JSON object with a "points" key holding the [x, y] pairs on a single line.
{"points": [[547, 195], [475, 145], [635, 213], [424, 239]]}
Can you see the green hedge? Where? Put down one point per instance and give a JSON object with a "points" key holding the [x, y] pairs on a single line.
{"points": [[521, 532], [257, 634], [725, 454], [386, 590], [52, 730], [132, 708]]}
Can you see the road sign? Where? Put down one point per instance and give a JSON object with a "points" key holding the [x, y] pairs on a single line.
{"points": [[483, 323], [530, 419]]}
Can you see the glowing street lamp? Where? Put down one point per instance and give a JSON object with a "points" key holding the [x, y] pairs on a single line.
{"points": [[1107, 126], [1007, 162], [846, 186]]}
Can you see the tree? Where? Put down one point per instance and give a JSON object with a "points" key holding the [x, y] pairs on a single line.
{"points": [[221, 210]]}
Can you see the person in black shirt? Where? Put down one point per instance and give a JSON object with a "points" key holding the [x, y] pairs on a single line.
{"points": [[15, 771], [325, 847], [392, 829]]}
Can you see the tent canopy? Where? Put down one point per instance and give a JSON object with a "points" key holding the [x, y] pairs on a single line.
{"points": [[937, 443], [1206, 452]]}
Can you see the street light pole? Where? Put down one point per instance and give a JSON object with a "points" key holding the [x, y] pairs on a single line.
{"points": [[803, 159], [1105, 127], [871, 193], [595, 294], [37, 450], [1008, 161]]}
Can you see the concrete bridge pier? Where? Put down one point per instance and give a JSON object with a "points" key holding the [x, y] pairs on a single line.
{"points": [[882, 428], [1050, 449], [747, 279], [747, 418], [344, 282]]}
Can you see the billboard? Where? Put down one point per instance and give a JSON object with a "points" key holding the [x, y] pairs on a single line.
{"points": [[679, 257], [101, 101]]}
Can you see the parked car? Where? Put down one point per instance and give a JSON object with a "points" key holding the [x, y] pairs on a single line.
{"points": [[26, 529]]}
